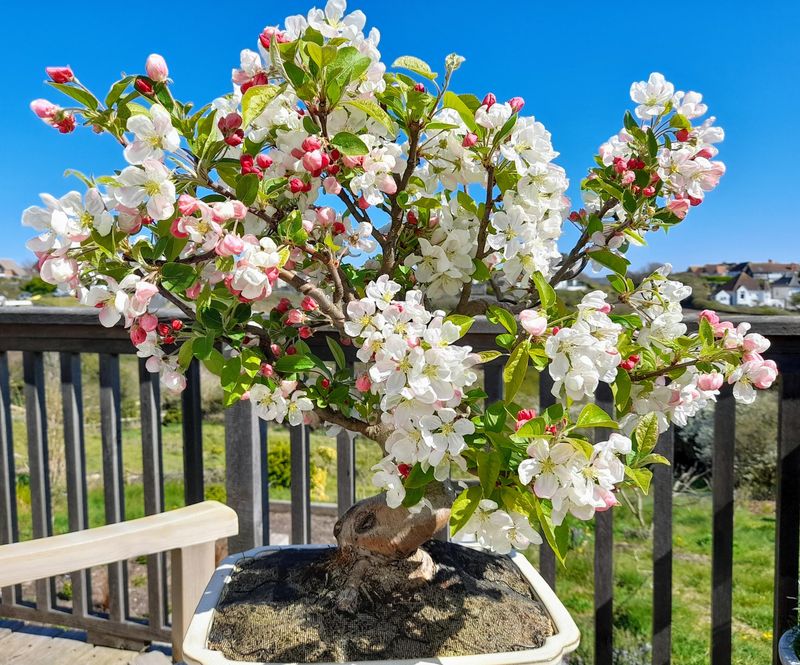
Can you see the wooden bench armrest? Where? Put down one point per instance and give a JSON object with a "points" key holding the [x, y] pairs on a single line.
{"points": [[189, 533], [44, 557]]}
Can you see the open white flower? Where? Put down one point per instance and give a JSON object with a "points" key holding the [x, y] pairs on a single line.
{"points": [[149, 184], [154, 135]]}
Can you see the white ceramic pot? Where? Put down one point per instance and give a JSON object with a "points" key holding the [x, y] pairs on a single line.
{"points": [[564, 641]]}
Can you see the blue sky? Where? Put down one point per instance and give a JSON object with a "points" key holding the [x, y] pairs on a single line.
{"points": [[573, 62]]}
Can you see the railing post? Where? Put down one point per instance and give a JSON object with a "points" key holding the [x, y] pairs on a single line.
{"points": [[662, 551], [38, 461], [300, 452], [245, 484], [192, 436], [722, 543], [547, 558], [787, 518], [8, 476], [153, 482], [113, 479], [345, 470], [604, 560], [74, 447]]}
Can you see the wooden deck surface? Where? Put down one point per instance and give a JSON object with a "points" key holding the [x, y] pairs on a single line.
{"points": [[26, 644]]}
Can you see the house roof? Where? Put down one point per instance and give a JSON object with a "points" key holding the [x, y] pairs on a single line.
{"points": [[743, 279], [12, 267], [772, 266], [787, 280]]}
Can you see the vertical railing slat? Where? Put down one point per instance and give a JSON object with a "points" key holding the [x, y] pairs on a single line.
{"points": [[9, 528], [662, 551], [38, 462], [153, 487], [787, 518], [547, 558], [346, 470], [244, 477], [192, 436], [604, 560], [113, 479], [722, 543], [300, 453], [75, 463]]}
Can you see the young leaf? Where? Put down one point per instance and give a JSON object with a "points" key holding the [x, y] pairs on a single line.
{"points": [[453, 101], [295, 363], [177, 276], [464, 323], [515, 370], [547, 294], [247, 187], [463, 508], [610, 260], [593, 416], [415, 65], [496, 314], [489, 464], [349, 144], [646, 434], [374, 111], [255, 100], [336, 351]]}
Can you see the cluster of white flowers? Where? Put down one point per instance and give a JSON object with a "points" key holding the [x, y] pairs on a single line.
{"points": [[573, 481], [283, 402], [585, 353], [498, 530], [420, 374], [687, 167], [658, 301]]}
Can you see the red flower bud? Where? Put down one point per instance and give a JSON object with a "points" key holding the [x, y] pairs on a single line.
{"points": [[682, 135], [404, 470], [419, 87], [490, 100], [296, 185], [325, 383], [143, 86], [60, 74], [177, 325]]}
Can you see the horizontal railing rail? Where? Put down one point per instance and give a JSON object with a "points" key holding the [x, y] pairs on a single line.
{"points": [[71, 332]]}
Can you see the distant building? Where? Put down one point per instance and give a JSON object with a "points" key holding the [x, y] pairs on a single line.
{"points": [[10, 268], [770, 270], [746, 291], [785, 287]]}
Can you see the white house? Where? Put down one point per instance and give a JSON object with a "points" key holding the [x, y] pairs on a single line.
{"points": [[786, 287], [744, 291]]}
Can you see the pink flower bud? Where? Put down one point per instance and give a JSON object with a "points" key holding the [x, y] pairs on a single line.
{"points": [[148, 322], [143, 86], [188, 205], [628, 177], [44, 109], [325, 216], [296, 185], [533, 322], [144, 291], [352, 162], [267, 369], [331, 185], [649, 191], [60, 74], [363, 384], [156, 68], [305, 332], [469, 140], [229, 245], [312, 161], [193, 291], [263, 161], [489, 101], [311, 143], [362, 203], [176, 228], [276, 350], [711, 381], [309, 304], [516, 104], [709, 315], [283, 306], [523, 416], [419, 87], [295, 316], [386, 183], [678, 207]]}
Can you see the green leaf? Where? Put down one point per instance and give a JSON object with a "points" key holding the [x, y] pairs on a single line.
{"points": [[612, 261], [78, 94], [481, 272], [336, 351], [629, 121], [489, 465], [622, 390], [348, 65], [463, 508], [515, 370], [185, 353], [247, 187], [646, 435], [547, 294], [652, 144], [488, 356], [653, 458], [202, 347], [374, 111], [419, 478], [557, 537], [294, 364], [255, 100], [706, 333], [640, 477], [495, 314], [116, 90], [215, 362], [619, 284], [453, 101], [415, 65], [495, 417], [177, 276], [464, 323], [679, 121], [593, 416], [349, 144]]}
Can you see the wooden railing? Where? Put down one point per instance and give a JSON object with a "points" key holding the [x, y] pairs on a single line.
{"points": [[71, 332]]}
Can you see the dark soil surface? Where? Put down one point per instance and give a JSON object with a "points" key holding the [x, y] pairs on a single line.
{"points": [[280, 607]]}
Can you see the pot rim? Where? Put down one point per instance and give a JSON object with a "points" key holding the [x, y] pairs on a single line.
{"points": [[786, 650], [564, 641]]}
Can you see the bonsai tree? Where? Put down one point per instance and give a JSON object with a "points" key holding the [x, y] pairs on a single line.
{"points": [[383, 198]]}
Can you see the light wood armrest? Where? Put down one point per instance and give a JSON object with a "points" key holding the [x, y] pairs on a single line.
{"points": [[190, 533]]}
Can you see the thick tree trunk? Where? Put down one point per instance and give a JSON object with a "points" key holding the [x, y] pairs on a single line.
{"points": [[379, 544]]}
